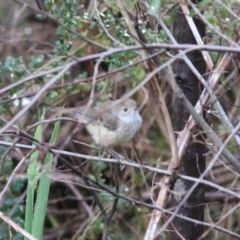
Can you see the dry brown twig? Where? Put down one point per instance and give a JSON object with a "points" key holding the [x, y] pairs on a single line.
{"points": [[129, 163], [7, 220]]}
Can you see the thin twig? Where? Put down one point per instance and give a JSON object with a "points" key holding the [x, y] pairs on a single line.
{"points": [[16, 170], [129, 163], [7, 220]]}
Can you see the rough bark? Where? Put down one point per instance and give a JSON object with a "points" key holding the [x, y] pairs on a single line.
{"points": [[193, 162]]}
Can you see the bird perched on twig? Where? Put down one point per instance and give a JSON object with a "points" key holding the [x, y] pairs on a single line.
{"points": [[109, 123]]}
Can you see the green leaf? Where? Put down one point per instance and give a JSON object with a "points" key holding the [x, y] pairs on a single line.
{"points": [[155, 7], [33, 175], [43, 190]]}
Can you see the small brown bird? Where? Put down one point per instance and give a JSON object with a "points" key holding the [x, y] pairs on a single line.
{"points": [[111, 122]]}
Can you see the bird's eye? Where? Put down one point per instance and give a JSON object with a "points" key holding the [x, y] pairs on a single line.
{"points": [[125, 109]]}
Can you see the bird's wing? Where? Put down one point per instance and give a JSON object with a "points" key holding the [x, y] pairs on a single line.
{"points": [[107, 116], [109, 121], [99, 113]]}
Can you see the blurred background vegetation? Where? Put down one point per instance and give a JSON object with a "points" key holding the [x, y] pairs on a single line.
{"points": [[35, 47]]}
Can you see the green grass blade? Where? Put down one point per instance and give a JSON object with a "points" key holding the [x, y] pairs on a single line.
{"points": [[32, 174], [43, 191]]}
